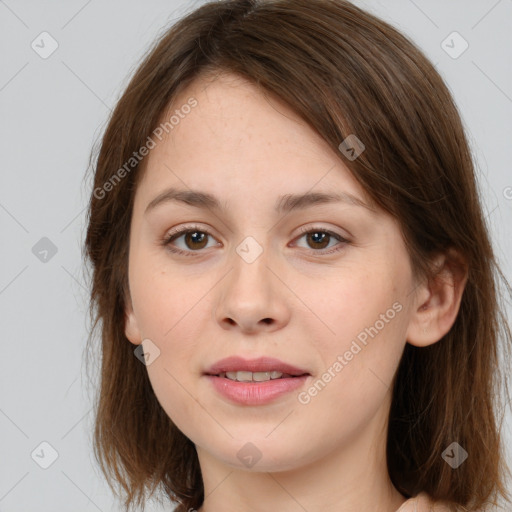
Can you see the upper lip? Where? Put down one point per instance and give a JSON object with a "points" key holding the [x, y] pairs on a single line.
{"points": [[261, 364]]}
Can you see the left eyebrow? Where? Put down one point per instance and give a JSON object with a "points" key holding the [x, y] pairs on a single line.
{"points": [[290, 202], [284, 204]]}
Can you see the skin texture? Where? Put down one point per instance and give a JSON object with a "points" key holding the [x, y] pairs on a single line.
{"points": [[247, 149]]}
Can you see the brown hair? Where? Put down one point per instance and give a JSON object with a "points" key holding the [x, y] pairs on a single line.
{"points": [[344, 72]]}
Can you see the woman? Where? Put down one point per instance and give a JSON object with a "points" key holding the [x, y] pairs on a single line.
{"points": [[292, 273]]}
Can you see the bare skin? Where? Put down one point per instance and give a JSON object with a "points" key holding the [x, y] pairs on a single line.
{"points": [[296, 301]]}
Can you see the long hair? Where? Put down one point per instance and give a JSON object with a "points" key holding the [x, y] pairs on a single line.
{"points": [[344, 72]]}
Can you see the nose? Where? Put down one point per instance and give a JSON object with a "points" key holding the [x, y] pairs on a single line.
{"points": [[253, 297]]}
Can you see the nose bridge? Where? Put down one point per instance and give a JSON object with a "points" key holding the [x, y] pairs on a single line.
{"points": [[251, 295], [251, 273]]}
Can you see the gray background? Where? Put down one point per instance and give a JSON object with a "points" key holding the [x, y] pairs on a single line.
{"points": [[52, 110]]}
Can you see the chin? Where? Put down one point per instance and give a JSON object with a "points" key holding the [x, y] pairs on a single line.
{"points": [[263, 455]]}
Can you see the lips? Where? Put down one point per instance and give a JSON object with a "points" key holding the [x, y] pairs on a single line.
{"points": [[262, 364], [255, 387]]}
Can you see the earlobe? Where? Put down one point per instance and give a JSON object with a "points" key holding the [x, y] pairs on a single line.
{"points": [[438, 301], [131, 328]]}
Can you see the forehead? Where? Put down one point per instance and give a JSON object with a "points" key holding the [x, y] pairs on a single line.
{"points": [[238, 137], [234, 116]]}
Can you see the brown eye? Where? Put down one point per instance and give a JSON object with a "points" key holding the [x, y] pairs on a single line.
{"points": [[193, 240], [318, 239]]}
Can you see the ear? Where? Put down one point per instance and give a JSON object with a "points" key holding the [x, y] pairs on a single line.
{"points": [[131, 327], [438, 300]]}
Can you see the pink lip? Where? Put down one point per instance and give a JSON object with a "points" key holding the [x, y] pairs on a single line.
{"points": [[262, 364], [255, 393]]}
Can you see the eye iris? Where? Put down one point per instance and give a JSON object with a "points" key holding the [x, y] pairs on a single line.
{"points": [[192, 236], [319, 238]]}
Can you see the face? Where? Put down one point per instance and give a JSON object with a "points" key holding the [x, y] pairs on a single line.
{"points": [[324, 286]]}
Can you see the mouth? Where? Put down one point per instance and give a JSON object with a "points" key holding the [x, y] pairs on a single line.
{"points": [[254, 370], [246, 376], [255, 382]]}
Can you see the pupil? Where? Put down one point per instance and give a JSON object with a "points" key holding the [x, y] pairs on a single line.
{"points": [[323, 237]]}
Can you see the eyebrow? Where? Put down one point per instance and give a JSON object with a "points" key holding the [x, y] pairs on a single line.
{"points": [[284, 204]]}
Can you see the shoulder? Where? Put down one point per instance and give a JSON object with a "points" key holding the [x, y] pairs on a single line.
{"points": [[423, 503]]}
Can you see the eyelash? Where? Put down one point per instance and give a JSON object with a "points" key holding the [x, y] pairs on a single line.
{"points": [[166, 242]]}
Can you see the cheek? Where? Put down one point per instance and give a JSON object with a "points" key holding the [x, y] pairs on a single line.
{"points": [[350, 303], [173, 309], [160, 297], [174, 392], [359, 357], [368, 320]]}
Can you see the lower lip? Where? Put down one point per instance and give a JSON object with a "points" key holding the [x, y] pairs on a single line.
{"points": [[255, 393]]}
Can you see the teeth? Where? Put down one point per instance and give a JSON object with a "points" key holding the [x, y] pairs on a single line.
{"points": [[243, 376]]}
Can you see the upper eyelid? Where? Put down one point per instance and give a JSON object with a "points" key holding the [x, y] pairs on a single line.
{"points": [[302, 230], [176, 232]]}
